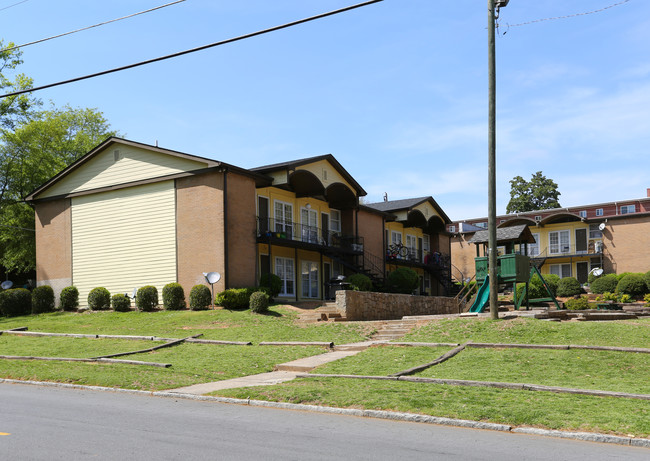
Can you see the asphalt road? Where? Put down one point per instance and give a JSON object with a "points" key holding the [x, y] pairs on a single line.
{"points": [[45, 423]]}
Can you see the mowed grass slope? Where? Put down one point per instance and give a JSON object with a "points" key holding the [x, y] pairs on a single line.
{"points": [[600, 370]]}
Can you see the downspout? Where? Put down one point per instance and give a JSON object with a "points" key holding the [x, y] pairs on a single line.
{"points": [[225, 227]]}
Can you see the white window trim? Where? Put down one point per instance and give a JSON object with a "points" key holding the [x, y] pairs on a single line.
{"points": [[559, 242], [311, 264], [334, 211], [599, 211], [309, 233], [559, 269], [629, 209], [284, 220], [283, 291], [393, 239]]}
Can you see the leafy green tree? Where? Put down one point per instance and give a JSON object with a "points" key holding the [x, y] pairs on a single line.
{"points": [[540, 193], [30, 154], [13, 109]]}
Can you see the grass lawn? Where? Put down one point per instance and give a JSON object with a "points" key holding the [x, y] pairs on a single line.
{"points": [[191, 363], [517, 408], [221, 324], [624, 333]]}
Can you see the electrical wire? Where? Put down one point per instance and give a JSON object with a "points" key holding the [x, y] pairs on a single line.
{"points": [[90, 27], [11, 6], [193, 50], [600, 10]]}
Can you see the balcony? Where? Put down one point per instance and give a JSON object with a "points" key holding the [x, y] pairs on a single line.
{"points": [[562, 250], [416, 257], [297, 235]]}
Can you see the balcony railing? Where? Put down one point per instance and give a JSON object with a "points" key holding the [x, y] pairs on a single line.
{"points": [[281, 230], [562, 249], [419, 256]]}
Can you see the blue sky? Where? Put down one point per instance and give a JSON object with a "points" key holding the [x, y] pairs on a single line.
{"points": [[396, 91]]}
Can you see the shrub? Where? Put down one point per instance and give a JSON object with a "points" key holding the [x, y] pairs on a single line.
{"points": [[99, 299], [625, 299], [633, 285], [620, 276], [200, 298], [646, 298], [121, 303], [273, 283], [646, 276], [403, 280], [42, 299], [536, 288], [568, 286], [359, 282], [591, 277], [69, 298], [146, 298], [605, 283], [173, 297], [14, 302], [259, 302], [234, 298], [577, 304], [607, 296]]}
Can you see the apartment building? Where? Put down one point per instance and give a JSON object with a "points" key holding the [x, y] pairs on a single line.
{"points": [[570, 242], [129, 214]]}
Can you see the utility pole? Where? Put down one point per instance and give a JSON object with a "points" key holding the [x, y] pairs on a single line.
{"points": [[493, 6]]}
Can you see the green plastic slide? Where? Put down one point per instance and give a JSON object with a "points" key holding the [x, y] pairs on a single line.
{"points": [[483, 296]]}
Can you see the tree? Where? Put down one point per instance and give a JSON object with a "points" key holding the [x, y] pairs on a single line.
{"points": [[540, 193], [32, 153], [13, 109]]}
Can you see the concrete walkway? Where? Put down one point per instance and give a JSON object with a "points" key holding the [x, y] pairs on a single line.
{"points": [[283, 372]]}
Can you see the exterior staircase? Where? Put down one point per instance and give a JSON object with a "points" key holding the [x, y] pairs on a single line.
{"points": [[324, 313], [393, 329]]}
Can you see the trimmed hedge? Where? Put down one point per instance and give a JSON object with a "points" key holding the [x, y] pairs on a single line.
{"points": [[99, 299], [259, 302], [536, 288], [577, 304], [234, 298], [359, 282], [42, 299], [121, 303], [200, 298], [605, 283], [403, 280], [146, 298], [15, 302], [568, 286], [69, 299], [173, 297], [633, 285]]}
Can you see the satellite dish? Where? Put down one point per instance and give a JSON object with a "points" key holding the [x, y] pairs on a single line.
{"points": [[133, 295], [6, 284], [601, 226], [212, 277], [597, 271]]}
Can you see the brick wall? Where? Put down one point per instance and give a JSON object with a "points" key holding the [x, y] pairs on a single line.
{"points": [[371, 228], [199, 229], [242, 225], [360, 305], [626, 244], [463, 254], [54, 245]]}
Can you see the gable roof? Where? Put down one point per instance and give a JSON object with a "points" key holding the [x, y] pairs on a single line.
{"points": [[392, 206], [520, 233], [293, 164], [209, 164]]}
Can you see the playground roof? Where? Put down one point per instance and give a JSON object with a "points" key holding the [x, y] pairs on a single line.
{"points": [[515, 234]]}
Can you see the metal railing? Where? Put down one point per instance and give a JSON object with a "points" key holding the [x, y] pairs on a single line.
{"points": [[297, 232], [561, 249]]}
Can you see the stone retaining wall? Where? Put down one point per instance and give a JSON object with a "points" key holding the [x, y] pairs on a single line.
{"points": [[361, 305]]}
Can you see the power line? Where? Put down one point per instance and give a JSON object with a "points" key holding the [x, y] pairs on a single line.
{"points": [[192, 50], [600, 10], [11, 6], [90, 27]]}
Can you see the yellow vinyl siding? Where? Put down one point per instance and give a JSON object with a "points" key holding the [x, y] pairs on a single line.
{"points": [[133, 164], [326, 173], [124, 239]]}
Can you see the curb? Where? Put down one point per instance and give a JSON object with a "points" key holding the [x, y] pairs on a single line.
{"points": [[379, 414]]}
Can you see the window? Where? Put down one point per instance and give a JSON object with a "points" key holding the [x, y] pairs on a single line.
{"points": [[583, 213], [452, 229], [599, 211], [395, 237], [283, 217], [411, 244], [309, 225], [284, 270], [559, 242], [309, 278], [533, 248], [561, 270], [595, 232], [481, 224], [426, 246], [627, 209], [335, 221], [538, 218]]}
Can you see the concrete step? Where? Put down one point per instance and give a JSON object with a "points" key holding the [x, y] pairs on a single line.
{"points": [[309, 363]]}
